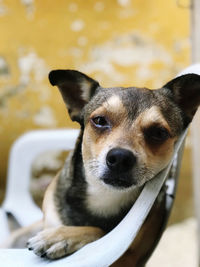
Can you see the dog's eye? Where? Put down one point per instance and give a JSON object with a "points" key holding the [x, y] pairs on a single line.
{"points": [[156, 134], [100, 122]]}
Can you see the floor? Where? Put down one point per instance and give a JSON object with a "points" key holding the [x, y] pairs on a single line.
{"points": [[178, 246]]}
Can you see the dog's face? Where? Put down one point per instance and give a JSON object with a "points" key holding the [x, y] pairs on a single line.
{"points": [[129, 133], [127, 139]]}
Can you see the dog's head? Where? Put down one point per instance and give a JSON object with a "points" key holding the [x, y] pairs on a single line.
{"points": [[129, 133]]}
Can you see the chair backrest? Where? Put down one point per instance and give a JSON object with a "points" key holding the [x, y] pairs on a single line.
{"points": [[18, 200]]}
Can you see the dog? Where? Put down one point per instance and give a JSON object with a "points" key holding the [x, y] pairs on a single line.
{"points": [[127, 136]]}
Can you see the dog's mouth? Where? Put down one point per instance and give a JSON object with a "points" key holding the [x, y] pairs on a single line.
{"points": [[118, 181]]}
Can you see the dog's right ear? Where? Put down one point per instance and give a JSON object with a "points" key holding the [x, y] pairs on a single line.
{"points": [[76, 89]]}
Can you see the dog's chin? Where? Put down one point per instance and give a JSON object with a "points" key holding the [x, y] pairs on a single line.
{"points": [[118, 181]]}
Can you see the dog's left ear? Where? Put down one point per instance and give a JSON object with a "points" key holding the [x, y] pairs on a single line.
{"points": [[186, 93], [76, 89]]}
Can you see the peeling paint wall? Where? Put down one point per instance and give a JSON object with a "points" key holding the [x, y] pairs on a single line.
{"points": [[118, 42]]}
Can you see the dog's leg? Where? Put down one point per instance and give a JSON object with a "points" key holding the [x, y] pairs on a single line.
{"points": [[57, 242], [18, 238]]}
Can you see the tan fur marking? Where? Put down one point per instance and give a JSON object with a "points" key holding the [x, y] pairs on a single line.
{"points": [[156, 157], [153, 115], [51, 217]]}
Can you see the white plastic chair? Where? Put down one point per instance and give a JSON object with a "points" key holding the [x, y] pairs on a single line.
{"points": [[18, 200], [109, 248], [94, 254]]}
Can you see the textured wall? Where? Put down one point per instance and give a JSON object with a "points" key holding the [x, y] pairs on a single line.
{"points": [[118, 42]]}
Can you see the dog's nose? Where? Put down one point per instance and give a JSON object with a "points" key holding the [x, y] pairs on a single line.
{"points": [[120, 160]]}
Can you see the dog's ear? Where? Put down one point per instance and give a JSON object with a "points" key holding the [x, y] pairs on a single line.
{"points": [[186, 93], [76, 89]]}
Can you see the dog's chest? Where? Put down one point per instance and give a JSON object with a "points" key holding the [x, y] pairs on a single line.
{"points": [[105, 202]]}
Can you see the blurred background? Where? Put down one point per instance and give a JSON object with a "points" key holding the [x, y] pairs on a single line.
{"points": [[118, 42]]}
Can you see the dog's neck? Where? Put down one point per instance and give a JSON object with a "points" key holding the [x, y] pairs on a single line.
{"points": [[107, 202], [100, 199]]}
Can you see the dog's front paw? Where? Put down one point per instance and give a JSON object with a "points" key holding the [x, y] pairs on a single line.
{"points": [[45, 244], [54, 243]]}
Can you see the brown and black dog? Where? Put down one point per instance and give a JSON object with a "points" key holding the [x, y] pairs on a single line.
{"points": [[127, 137]]}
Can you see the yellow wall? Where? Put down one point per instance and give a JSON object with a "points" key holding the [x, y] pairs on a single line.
{"points": [[118, 42]]}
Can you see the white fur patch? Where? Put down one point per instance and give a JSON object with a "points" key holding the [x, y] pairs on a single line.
{"points": [[103, 199]]}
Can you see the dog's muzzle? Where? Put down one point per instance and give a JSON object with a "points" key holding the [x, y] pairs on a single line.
{"points": [[120, 163]]}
